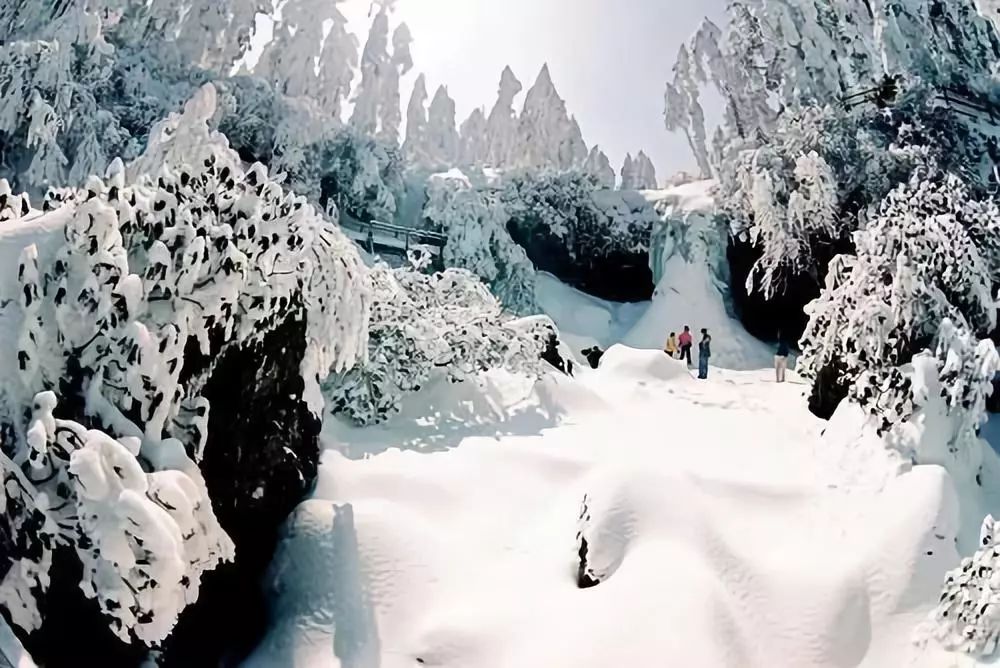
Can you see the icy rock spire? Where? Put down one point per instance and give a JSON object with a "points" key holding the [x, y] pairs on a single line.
{"points": [[501, 125], [547, 135], [600, 168]]}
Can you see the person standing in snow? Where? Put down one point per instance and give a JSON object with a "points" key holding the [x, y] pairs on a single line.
{"points": [[704, 352], [781, 359], [671, 347], [685, 340]]}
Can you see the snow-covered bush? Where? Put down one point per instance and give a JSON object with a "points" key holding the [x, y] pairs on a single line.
{"points": [[144, 538], [184, 249], [569, 207], [425, 324], [924, 271], [594, 239], [503, 228], [967, 616], [475, 222]]}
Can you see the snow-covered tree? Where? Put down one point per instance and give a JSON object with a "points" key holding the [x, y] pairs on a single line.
{"points": [[501, 125], [570, 209], [300, 61], [376, 101], [442, 135], [780, 54], [327, 162], [415, 147], [182, 248], [628, 173], [475, 222], [646, 172], [424, 325], [399, 64], [784, 242], [789, 217], [83, 81], [929, 257], [683, 110], [374, 65], [337, 61], [361, 175]]}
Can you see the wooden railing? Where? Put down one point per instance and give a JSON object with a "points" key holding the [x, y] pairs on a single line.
{"points": [[970, 104], [374, 233]]}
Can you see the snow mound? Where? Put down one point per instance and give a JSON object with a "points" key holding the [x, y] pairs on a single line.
{"points": [[720, 530], [627, 362]]}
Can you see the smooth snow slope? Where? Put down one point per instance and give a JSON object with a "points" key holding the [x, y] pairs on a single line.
{"points": [[728, 529]]}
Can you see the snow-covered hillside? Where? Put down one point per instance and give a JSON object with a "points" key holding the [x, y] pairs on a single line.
{"points": [[725, 527], [227, 435]]}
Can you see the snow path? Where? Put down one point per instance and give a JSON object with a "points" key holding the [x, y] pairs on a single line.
{"points": [[728, 530]]}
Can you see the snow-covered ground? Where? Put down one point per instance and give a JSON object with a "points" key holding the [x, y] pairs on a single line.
{"points": [[730, 528]]}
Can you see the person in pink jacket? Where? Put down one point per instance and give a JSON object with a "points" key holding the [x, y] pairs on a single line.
{"points": [[685, 341]]}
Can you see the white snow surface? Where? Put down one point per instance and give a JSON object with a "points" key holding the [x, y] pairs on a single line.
{"points": [[730, 530]]}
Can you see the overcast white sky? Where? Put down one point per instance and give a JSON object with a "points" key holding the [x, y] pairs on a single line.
{"points": [[609, 59]]}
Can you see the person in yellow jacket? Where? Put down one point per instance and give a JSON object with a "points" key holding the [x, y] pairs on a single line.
{"points": [[671, 347]]}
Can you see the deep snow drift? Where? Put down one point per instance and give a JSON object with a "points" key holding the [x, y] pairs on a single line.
{"points": [[726, 527]]}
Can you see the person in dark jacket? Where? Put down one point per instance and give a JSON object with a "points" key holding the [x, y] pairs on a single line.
{"points": [[781, 359], [704, 352]]}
